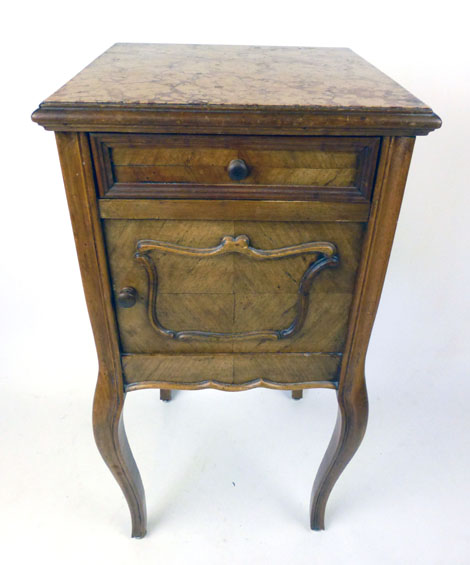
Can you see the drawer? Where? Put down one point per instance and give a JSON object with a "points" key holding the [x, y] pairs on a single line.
{"points": [[248, 167], [232, 287]]}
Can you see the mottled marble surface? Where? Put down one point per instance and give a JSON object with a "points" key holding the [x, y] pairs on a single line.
{"points": [[234, 76]]}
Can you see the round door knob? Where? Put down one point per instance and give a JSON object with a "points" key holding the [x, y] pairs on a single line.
{"points": [[238, 169], [127, 297]]}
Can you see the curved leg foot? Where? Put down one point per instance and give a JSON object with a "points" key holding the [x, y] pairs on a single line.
{"points": [[297, 394], [347, 436], [111, 439]]}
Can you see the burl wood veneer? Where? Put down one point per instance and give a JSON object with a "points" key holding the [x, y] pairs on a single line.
{"points": [[234, 211]]}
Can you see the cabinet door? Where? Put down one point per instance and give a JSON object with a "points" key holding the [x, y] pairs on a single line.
{"points": [[233, 286]]}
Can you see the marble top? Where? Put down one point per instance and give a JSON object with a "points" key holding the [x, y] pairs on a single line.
{"points": [[160, 75]]}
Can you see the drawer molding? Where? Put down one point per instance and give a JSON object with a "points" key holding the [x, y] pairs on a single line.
{"points": [[327, 257], [339, 169]]}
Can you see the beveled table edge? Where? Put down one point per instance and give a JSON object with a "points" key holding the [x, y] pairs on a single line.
{"points": [[279, 120]]}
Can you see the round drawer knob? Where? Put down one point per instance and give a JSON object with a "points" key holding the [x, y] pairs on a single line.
{"points": [[238, 169], [127, 297]]}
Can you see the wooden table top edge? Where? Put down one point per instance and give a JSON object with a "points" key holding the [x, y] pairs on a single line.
{"points": [[280, 120]]}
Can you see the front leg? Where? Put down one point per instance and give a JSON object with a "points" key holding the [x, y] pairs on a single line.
{"points": [[352, 394], [111, 439], [347, 436]]}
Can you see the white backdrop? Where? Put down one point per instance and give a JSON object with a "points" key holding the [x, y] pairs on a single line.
{"points": [[228, 477]]}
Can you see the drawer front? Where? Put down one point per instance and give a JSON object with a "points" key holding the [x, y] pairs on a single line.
{"points": [[213, 166], [233, 286]]}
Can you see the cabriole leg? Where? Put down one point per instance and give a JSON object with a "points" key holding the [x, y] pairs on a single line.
{"points": [[347, 436], [352, 395], [111, 439]]}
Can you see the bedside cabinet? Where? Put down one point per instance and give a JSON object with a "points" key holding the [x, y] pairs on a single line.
{"points": [[233, 211]]}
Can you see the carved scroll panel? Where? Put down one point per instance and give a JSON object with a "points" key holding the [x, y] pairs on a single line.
{"points": [[324, 255]]}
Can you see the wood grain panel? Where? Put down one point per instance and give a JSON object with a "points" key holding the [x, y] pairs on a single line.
{"points": [[231, 372], [285, 275], [288, 369], [195, 311], [324, 329], [207, 175], [179, 151], [233, 293], [135, 209]]}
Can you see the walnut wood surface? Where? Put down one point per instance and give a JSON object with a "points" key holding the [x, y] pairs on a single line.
{"points": [[108, 425], [233, 210], [231, 372], [196, 166], [231, 292], [223, 89], [352, 395], [325, 257], [240, 244]]}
